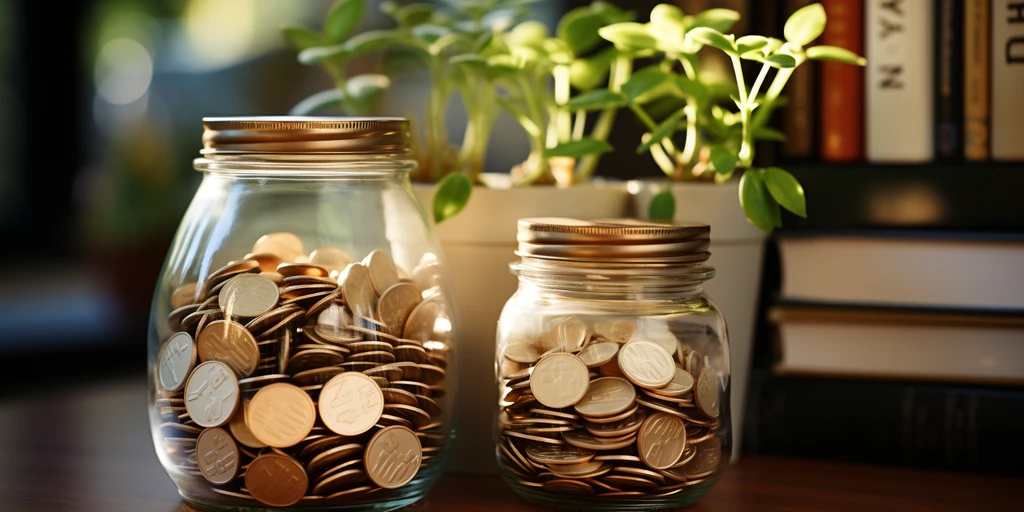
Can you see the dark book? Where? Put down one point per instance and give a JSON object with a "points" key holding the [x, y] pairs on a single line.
{"points": [[798, 121], [942, 427], [977, 107], [842, 85], [949, 69]]}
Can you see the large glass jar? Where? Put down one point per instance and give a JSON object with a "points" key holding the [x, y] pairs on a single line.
{"points": [[612, 367], [300, 349]]}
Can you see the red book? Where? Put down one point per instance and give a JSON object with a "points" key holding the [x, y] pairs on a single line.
{"points": [[842, 85]]}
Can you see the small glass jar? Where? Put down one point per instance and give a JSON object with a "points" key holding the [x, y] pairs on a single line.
{"points": [[612, 367], [300, 349]]}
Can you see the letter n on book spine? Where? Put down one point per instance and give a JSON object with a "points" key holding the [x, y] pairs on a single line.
{"points": [[1008, 80], [842, 85], [899, 82]]}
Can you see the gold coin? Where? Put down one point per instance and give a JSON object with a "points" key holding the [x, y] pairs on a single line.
{"points": [[606, 396], [694, 363], [707, 461], [183, 295], [276, 480], [707, 393], [217, 456], [302, 269], [588, 442], [559, 380], [568, 486], [428, 321], [392, 457], [521, 353], [598, 354], [633, 482], [646, 364], [268, 262], [619, 331], [642, 473], [211, 394], [285, 246], [661, 440], [383, 274], [357, 290], [281, 415], [332, 258], [395, 304], [231, 343], [248, 296], [351, 403], [580, 470], [567, 334], [177, 358], [328, 458], [681, 384], [531, 437], [427, 273], [618, 428], [557, 454], [240, 428]]}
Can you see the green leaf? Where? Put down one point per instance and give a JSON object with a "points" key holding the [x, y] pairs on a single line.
{"points": [[597, 99], [557, 51], [342, 19], [834, 53], [747, 44], [470, 61], [319, 101], [366, 88], [768, 133], [786, 190], [693, 88], [647, 84], [629, 36], [372, 40], [301, 38], [528, 33], [586, 74], [758, 205], [578, 148], [453, 193], [781, 60], [667, 25], [717, 19], [578, 28], [413, 14], [713, 38], [723, 159], [318, 54], [663, 206], [429, 33], [665, 129], [805, 25]]}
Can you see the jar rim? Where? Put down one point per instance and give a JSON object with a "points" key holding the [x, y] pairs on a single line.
{"points": [[305, 135]]}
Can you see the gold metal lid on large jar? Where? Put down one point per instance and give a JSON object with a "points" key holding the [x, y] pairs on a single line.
{"points": [[613, 240], [304, 135]]}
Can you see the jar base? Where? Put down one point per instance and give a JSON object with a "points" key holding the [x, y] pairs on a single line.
{"points": [[596, 503]]}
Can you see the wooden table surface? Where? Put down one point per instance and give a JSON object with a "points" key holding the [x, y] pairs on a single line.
{"points": [[89, 449]]}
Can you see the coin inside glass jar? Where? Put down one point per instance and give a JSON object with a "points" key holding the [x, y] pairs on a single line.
{"points": [[351, 403], [281, 415], [393, 457], [559, 380]]}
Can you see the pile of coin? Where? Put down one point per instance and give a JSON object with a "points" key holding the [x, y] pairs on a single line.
{"points": [[595, 410], [303, 380]]}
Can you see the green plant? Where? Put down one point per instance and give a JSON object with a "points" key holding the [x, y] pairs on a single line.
{"points": [[718, 137]]}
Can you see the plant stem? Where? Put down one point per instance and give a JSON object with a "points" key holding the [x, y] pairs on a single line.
{"points": [[778, 83], [564, 117], [622, 68], [757, 83], [536, 161], [580, 125], [651, 125], [436, 135], [737, 69], [746, 154]]}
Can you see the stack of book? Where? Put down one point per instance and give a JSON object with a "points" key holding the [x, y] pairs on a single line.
{"points": [[943, 83], [896, 348]]}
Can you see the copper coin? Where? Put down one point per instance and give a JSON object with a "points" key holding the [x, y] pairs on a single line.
{"points": [[589, 469], [357, 290], [183, 295], [392, 457], [314, 358], [276, 480], [557, 454], [211, 394], [382, 271], [598, 354], [176, 358], [175, 318], [284, 245], [618, 428], [521, 353], [351, 403], [281, 415], [567, 334], [542, 439], [606, 396], [240, 429], [248, 296], [662, 440], [395, 304], [230, 343], [559, 380], [646, 364], [339, 480], [217, 456], [568, 486], [316, 376], [331, 258], [707, 393], [428, 321], [588, 442], [681, 384], [328, 458], [619, 331], [267, 262]]}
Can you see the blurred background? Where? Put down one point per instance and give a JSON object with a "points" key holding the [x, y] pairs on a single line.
{"points": [[100, 109]]}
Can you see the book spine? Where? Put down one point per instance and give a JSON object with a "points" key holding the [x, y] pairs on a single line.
{"points": [[1007, 80], [879, 422], [798, 114], [899, 81], [842, 85], [976, 80], [949, 111]]}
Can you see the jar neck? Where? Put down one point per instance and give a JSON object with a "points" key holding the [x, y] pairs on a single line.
{"points": [[612, 281], [308, 166]]}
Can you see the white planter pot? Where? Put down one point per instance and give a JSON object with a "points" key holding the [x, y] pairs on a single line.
{"points": [[477, 246], [737, 248]]}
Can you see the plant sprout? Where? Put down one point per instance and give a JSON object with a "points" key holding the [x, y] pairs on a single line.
{"points": [[717, 141]]}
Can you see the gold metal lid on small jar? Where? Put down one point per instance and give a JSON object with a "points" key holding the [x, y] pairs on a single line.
{"points": [[304, 135], [613, 240]]}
